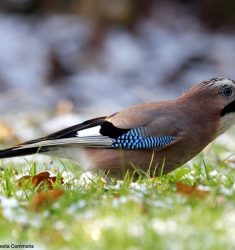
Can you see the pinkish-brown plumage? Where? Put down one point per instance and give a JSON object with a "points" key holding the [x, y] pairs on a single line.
{"points": [[175, 118], [189, 123]]}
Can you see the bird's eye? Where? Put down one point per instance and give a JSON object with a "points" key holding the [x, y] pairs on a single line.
{"points": [[227, 91]]}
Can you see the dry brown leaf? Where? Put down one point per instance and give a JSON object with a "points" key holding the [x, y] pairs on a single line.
{"points": [[190, 190], [23, 180], [45, 199], [42, 179]]}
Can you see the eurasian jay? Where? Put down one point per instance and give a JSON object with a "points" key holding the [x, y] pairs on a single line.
{"points": [[154, 137]]}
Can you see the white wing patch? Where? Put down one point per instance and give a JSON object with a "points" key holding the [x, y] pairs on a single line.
{"points": [[90, 137], [103, 141], [94, 131]]}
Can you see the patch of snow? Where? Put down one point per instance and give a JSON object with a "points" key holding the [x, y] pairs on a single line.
{"points": [[85, 179], [164, 226], [135, 229], [139, 187], [76, 206]]}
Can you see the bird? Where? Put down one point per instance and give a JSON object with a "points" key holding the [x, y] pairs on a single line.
{"points": [[154, 138]]}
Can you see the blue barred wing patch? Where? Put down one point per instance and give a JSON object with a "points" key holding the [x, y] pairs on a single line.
{"points": [[134, 140]]}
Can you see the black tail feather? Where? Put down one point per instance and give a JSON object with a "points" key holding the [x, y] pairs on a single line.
{"points": [[18, 151]]}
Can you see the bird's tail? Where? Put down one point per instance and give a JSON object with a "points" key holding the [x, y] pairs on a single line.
{"points": [[62, 142], [21, 151], [46, 146]]}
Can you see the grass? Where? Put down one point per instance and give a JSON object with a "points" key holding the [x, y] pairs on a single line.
{"points": [[146, 214]]}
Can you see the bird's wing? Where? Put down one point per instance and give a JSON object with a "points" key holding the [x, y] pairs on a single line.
{"points": [[147, 132], [147, 129], [85, 134]]}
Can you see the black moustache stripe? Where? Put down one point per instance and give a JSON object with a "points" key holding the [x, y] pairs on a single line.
{"points": [[230, 108]]}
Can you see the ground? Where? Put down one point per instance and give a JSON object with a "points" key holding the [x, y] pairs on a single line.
{"points": [[191, 208]]}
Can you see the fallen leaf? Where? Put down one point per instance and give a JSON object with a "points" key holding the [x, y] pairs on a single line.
{"points": [[23, 180], [42, 180], [45, 199], [190, 190]]}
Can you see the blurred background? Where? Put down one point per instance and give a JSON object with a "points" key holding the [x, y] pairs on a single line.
{"points": [[62, 61]]}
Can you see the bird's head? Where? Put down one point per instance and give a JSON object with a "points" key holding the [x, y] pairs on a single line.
{"points": [[217, 96], [226, 91]]}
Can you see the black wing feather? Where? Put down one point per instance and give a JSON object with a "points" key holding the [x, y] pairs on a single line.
{"points": [[107, 129], [70, 131]]}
